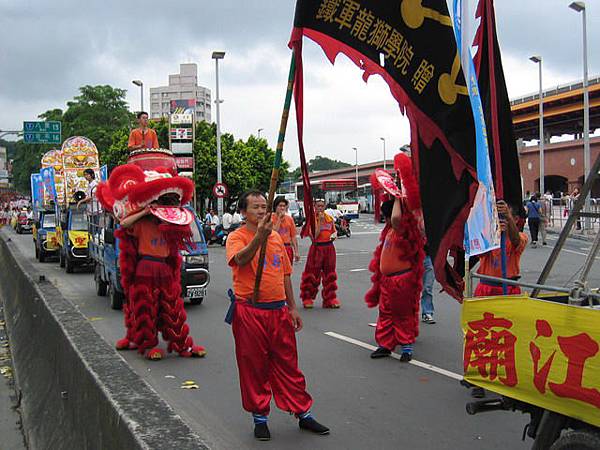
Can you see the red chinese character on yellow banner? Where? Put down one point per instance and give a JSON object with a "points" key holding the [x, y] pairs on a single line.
{"points": [[578, 349], [489, 346]]}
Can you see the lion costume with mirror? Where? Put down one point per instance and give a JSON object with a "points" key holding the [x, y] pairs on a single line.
{"points": [[154, 228]]}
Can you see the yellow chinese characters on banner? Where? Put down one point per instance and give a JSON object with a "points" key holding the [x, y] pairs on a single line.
{"points": [[540, 352]]}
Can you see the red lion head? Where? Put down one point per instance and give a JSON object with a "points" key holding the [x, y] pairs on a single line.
{"points": [[130, 189]]}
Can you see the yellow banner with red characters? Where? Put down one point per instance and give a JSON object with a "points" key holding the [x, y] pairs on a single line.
{"points": [[51, 240], [536, 351], [79, 239]]}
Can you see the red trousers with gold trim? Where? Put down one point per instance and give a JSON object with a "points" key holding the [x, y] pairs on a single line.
{"points": [[267, 359], [155, 305], [290, 252], [398, 321], [320, 265]]}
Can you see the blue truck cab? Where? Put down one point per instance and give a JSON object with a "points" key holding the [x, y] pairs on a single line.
{"points": [[104, 250], [44, 234], [73, 238]]}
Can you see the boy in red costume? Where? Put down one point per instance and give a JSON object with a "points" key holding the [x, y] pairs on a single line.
{"points": [[285, 226], [397, 268], [321, 261], [265, 345], [491, 262]]}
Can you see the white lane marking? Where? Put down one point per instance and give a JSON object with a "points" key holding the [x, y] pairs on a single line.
{"points": [[358, 270], [414, 362]]}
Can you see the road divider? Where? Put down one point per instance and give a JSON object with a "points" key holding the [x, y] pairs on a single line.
{"points": [[76, 391]]}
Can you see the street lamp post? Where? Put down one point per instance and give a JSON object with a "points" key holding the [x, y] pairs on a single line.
{"points": [[141, 85], [384, 159], [538, 60], [217, 56], [580, 7], [259, 130], [356, 165]]}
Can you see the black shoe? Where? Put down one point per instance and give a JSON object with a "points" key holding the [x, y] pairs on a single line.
{"points": [[313, 426], [261, 432], [477, 392], [405, 357], [381, 352]]}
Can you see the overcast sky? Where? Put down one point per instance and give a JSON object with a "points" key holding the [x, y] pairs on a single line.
{"points": [[48, 49]]}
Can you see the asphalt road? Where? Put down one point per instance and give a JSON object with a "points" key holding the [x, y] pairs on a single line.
{"points": [[382, 404]]}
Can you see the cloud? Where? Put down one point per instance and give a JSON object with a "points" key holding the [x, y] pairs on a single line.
{"points": [[51, 49]]}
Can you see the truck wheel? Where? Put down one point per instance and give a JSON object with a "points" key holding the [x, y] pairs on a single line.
{"points": [[196, 301], [578, 440], [116, 298], [70, 265], [101, 286], [42, 255], [61, 255]]}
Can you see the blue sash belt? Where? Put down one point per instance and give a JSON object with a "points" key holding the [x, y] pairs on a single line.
{"points": [[271, 306], [153, 258]]}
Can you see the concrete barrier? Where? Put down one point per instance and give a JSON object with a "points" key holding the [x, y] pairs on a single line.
{"points": [[76, 392]]}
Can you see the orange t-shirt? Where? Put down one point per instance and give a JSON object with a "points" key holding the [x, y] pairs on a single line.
{"points": [[326, 229], [491, 262], [148, 138], [149, 237], [392, 257], [287, 228], [277, 265]]}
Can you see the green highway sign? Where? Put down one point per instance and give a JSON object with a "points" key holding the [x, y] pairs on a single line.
{"points": [[42, 132]]}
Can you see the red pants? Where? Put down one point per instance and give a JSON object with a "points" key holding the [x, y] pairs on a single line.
{"points": [[154, 305], [398, 321], [267, 359], [320, 264], [487, 290]]}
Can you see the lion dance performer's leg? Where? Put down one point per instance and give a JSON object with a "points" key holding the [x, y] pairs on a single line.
{"points": [[329, 292], [172, 316], [127, 263], [311, 277], [144, 294]]}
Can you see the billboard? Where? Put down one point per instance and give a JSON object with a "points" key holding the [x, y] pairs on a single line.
{"points": [[183, 106]]}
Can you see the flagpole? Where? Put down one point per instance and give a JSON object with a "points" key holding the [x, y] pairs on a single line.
{"points": [[276, 168]]}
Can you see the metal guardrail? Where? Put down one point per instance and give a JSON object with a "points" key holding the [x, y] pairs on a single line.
{"points": [[562, 208]]}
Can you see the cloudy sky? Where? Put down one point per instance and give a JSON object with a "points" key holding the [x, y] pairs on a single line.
{"points": [[50, 48]]}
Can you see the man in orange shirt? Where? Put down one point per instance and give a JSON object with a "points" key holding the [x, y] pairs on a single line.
{"points": [[491, 262], [265, 345], [142, 137], [285, 226], [321, 261]]}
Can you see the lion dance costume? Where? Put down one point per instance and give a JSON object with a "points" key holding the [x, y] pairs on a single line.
{"points": [[152, 285], [397, 292], [320, 265]]}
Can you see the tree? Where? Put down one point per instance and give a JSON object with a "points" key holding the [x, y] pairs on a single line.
{"points": [[96, 114], [319, 163], [245, 164]]}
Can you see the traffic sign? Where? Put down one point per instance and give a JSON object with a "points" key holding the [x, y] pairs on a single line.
{"points": [[42, 132], [220, 190]]}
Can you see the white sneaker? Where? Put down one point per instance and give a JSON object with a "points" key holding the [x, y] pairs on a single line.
{"points": [[428, 318]]}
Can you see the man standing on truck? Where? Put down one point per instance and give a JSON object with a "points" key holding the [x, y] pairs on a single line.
{"points": [[265, 345], [142, 137]]}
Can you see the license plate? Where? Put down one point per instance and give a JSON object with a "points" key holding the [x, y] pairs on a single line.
{"points": [[196, 293]]}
